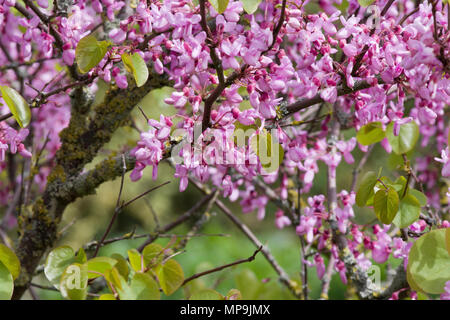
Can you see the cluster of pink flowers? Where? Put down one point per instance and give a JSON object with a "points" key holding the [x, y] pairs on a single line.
{"points": [[308, 57]]}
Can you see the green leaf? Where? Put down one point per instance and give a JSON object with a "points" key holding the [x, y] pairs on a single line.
{"points": [[10, 260], [219, 5], [365, 190], [250, 6], [57, 261], [151, 252], [89, 52], [248, 284], [447, 239], [113, 277], [419, 196], [370, 133], [365, 3], [429, 262], [17, 105], [74, 282], [136, 260], [234, 294], [96, 267], [122, 265], [206, 294], [409, 211], [406, 139], [386, 204], [270, 153], [81, 256], [107, 296], [6, 283], [170, 276], [142, 287], [136, 65]]}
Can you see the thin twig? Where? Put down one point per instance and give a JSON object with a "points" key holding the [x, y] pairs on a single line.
{"points": [[200, 274]]}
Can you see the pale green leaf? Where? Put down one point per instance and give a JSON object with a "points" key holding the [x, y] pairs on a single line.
{"points": [[57, 261], [406, 139], [136, 65], [429, 262], [6, 283], [10, 260], [386, 204], [96, 267], [370, 133], [269, 152], [153, 253], [409, 211], [142, 287], [365, 3], [250, 6], [74, 280], [219, 5], [206, 294], [136, 260], [170, 276], [17, 105], [89, 52], [366, 187]]}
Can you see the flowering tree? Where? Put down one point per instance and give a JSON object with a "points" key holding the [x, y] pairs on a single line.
{"points": [[264, 90]]}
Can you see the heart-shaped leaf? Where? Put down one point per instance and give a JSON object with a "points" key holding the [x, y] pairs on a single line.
{"points": [[136, 65], [429, 262], [406, 139], [89, 52], [386, 204]]}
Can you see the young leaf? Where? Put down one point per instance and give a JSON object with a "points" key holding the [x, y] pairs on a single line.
{"points": [[81, 256], [151, 252], [10, 260], [74, 282], [142, 287], [447, 239], [269, 152], [370, 133], [365, 3], [365, 190], [429, 262], [136, 260], [17, 105], [136, 65], [234, 294], [89, 52], [206, 294], [107, 296], [409, 211], [6, 283], [170, 276], [57, 261], [250, 6], [219, 5], [406, 139], [96, 267], [419, 196], [113, 277], [386, 204], [121, 265]]}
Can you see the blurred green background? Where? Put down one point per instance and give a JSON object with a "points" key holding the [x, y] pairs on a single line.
{"points": [[87, 218]]}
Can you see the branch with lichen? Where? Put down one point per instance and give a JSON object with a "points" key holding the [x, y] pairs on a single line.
{"points": [[89, 129]]}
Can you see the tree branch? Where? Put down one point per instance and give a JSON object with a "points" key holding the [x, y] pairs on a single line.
{"points": [[201, 274]]}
